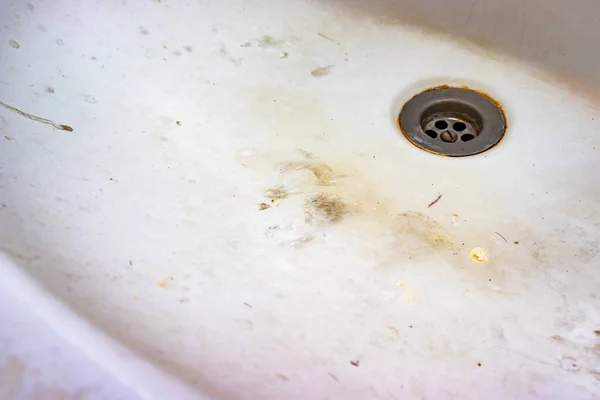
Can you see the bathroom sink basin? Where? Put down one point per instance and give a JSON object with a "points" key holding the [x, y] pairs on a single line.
{"points": [[215, 200]]}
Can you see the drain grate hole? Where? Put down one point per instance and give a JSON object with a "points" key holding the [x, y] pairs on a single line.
{"points": [[466, 137], [432, 134], [459, 126], [449, 137], [441, 124]]}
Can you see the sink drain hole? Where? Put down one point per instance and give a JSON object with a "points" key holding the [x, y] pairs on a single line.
{"points": [[452, 121]]}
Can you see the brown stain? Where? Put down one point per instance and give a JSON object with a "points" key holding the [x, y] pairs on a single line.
{"points": [[325, 208], [438, 87], [66, 128]]}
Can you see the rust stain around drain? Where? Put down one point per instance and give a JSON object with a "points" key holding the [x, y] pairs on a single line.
{"points": [[445, 86]]}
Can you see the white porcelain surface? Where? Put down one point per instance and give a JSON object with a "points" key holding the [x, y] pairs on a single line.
{"points": [[145, 221]]}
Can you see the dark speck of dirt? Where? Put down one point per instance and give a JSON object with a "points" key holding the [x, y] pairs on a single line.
{"points": [[178, 123], [479, 364], [263, 206], [247, 305], [516, 242], [14, 44], [49, 89], [66, 128], [321, 71], [143, 31], [189, 49], [60, 42], [355, 363], [597, 332]]}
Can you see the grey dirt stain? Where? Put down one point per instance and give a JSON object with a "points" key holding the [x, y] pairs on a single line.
{"points": [[268, 41], [13, 44], [143, 31], [60, 42], [49, 89], [90, 99], [189, 49], [321, 71], [226, 56]]}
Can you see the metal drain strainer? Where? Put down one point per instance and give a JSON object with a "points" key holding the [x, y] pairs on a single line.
{"points": [[451, 121]]}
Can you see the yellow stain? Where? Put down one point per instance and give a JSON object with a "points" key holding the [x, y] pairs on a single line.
{"points": [[479, 254], [162, 283]]}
